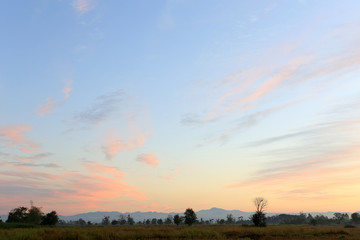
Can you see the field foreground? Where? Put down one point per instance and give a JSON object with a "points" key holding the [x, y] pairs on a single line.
{"points": [[181, 232]]}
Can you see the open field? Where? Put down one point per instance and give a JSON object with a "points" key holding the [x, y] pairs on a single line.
{"points": [[181, 232]]}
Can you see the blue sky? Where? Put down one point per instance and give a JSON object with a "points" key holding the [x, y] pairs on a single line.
{"points": [[163, 105]]}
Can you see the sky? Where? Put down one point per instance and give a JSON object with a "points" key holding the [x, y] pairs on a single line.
{"points": [[163, 105]]}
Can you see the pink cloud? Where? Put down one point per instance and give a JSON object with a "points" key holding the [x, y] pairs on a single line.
{"points": [[84, 6], [247, 89], [48, 107], [115, 145], [14, 136], [71, 191], [148, 159], [99, 168], [66, 90], [51, 103], [271, 83]]}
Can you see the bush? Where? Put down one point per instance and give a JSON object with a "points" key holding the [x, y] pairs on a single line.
{"points": [[259, 219], [349, 226]]}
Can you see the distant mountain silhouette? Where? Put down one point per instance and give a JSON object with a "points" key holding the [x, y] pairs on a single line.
{"points": [[213, 213]]}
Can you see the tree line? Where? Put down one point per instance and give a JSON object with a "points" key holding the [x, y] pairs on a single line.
{"points": [[35, 216], [32, 215]]}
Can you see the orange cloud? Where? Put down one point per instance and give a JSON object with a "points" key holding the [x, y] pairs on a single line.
{"points": [[14, 136], [96, 189], [114, 144], [148, 159], [320, 178]]}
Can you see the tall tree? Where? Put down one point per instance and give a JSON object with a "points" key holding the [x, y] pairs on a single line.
{"points": [[34, 215], [259, 216]]}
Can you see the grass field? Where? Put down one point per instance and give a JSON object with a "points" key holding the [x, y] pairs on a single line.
{"points": [[181, 232]]}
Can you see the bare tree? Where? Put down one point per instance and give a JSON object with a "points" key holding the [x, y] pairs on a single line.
{"points": [[259, 217], [260, 204]]}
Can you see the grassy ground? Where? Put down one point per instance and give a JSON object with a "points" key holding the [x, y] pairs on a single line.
{"points": [[181, 232]]}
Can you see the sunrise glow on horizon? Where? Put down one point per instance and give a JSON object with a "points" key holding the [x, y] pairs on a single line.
{"points": [[163, 105]]}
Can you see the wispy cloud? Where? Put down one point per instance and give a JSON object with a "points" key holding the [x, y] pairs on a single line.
{"points": [[14, 136], [246, 122], [26, 165], [321, 132], [32, 158], [84, 6], [252, 87], [149, 159], [320, 178], [309, 161], [246, 97], [103, 106]]}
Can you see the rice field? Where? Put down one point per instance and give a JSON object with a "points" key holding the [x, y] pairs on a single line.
{"points": [[180, 232]]}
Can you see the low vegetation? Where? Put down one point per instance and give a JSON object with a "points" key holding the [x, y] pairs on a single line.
{"points": [[180, 232]]}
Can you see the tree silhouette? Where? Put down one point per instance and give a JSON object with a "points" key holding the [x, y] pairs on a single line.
{"points": [[190, 216], [177, 219], [106, 220], [230, 219], [50, 219], [17, 215], [130, 220], [34, 215], [169, 220], [25, 215], [355, 217]]}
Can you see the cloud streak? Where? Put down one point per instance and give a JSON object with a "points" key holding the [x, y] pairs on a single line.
{"points": [[103, 106], [96, 185], [247, 89], [313, 165], [14, 135], [248, 121]]}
